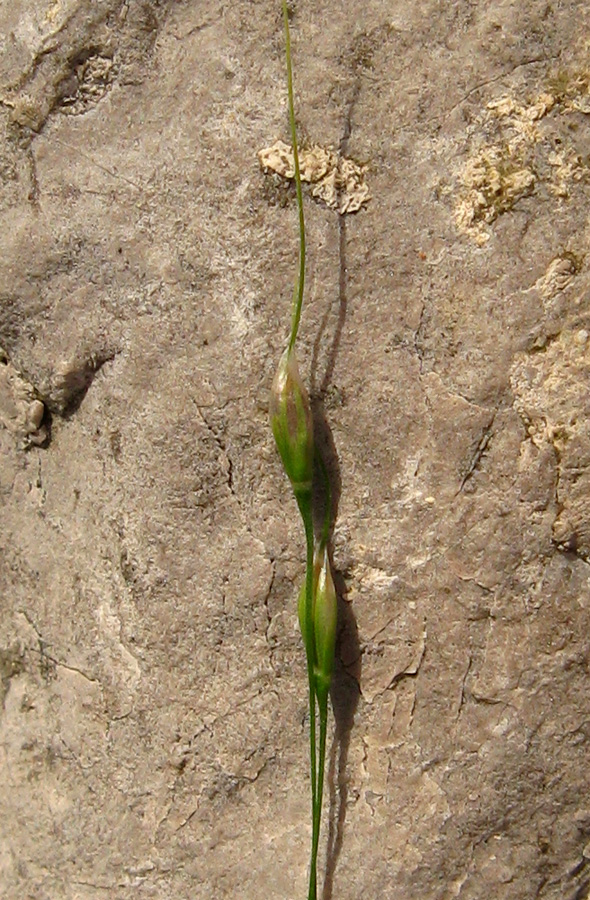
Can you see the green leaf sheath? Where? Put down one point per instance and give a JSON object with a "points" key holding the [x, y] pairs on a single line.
{"points": [[291, 422], [304, 502], [319, 645], [306, 512]]}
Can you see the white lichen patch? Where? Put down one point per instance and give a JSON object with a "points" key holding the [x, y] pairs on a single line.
{"points": [[337, 181], [517, 158]]}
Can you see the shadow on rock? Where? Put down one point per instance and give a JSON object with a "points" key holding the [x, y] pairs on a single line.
{"points": [[345, 693]]}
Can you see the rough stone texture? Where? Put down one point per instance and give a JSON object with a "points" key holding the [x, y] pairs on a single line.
{"points": [[153, 726]]}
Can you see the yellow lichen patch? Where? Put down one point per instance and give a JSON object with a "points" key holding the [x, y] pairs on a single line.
{"points": [[572, 89], [492, 183], [336, 180], [581, 104], [522, 118], [567, 167], [520, 154], [55, 11], [52, 11]]}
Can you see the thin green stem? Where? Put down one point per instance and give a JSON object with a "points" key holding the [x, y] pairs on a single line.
{"points": [[298, 289], [317, 815]]}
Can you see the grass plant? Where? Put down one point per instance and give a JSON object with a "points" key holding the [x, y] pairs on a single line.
{"points": [[292, 427]]}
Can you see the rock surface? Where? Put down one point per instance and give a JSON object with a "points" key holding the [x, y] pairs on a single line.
{"points": [[153, 726]]}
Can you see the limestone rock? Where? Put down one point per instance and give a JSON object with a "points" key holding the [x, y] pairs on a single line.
{"points": [[153, 723]]}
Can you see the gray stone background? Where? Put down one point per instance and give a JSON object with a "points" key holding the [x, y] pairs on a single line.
{"points": [[153, 729]]}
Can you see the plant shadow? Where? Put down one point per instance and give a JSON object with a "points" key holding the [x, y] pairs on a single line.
{"points": [[345, 688]]}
